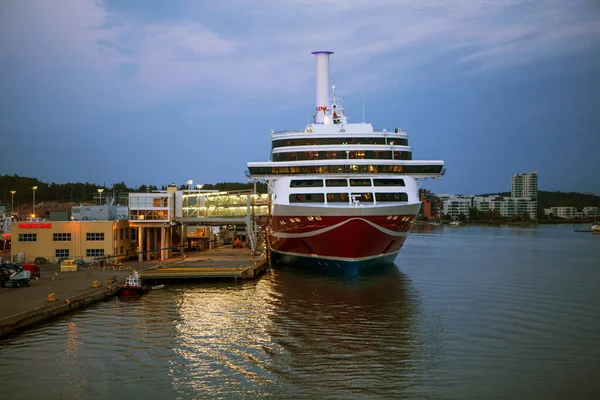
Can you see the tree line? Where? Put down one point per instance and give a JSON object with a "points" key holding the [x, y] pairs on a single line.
{"points": [[82, 192]]}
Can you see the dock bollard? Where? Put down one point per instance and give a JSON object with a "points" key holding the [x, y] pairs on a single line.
{"points": [[51, 297], [95, 284]]}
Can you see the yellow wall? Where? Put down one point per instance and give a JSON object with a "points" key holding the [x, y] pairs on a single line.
{"points": [[46, 247]]}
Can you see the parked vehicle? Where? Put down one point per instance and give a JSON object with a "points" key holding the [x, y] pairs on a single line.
{"points": [[14, 275], [33, 269]]}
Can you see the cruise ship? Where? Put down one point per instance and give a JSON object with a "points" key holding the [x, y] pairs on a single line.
{"points": [[343, 195]]}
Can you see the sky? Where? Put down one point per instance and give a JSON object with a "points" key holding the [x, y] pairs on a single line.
{"points": [[161, 92]]}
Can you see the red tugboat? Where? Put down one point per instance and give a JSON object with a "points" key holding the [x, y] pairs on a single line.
{"points": [[133, 285]]}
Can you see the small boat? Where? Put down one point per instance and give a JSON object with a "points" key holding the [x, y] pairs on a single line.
{"points": [[133, 285], [158, 287]]}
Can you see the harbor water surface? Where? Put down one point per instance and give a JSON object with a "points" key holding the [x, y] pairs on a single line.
{"points": [[466, 312]]}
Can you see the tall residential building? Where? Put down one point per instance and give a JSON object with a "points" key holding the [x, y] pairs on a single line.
{"points": [[525, 185]]}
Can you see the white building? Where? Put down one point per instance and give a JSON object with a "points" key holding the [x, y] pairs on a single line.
{"points": [[525, 185], [457, 205], [591, 212], [564, 212], [507, 206]]}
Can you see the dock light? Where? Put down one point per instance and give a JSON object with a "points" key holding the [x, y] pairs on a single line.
{"points": [[12, 201], [100, 190], [34, 188]]}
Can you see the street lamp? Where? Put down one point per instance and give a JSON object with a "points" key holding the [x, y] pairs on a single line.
{"points": [[199, 187], [100, 190], [73, 237], [189, 183], [12, 201], [33, 207]]}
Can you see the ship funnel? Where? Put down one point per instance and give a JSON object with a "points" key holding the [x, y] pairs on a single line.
{"points": [[322, 63]]}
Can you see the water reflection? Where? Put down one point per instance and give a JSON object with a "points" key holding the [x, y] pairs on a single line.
{"points": [[340, 335]]}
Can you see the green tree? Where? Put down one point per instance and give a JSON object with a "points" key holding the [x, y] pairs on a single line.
{"points": [[473, 213], [495, 215]]}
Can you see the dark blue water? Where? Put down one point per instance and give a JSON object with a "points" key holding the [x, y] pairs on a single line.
{"points": [[467, 312]]}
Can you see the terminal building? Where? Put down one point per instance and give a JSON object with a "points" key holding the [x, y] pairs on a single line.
{"points": [[151, 227]]}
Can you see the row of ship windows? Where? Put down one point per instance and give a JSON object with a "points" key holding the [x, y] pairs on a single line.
{"points": [[342, 155], [347, 169], [342, 182], [62, 237], [341, 140], [345, 197]]}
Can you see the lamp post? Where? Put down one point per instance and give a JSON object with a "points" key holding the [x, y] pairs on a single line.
{"points": [[100, 190], [73, 237], [34, 188], [12, 201], [189, 183]]}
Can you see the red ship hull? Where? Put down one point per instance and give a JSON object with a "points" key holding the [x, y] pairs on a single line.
{"points": [[338, 241]]}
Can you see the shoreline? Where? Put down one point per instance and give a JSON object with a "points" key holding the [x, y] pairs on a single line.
{"points": [[514, 223]]}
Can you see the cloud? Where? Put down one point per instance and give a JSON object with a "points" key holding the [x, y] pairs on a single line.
{"points": [[141, 55]]}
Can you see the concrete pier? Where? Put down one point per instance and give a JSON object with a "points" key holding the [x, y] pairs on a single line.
{"points": [[221, 262], [57, 293]]}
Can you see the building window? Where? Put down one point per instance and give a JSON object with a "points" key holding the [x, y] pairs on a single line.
{"points": [[94, 252], [61, 237], [121, 233], [61, 253], [94, 237], [156, 215], [27, 237]]}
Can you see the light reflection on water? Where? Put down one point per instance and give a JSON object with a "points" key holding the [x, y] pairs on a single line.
{"points": [[467, 313]]}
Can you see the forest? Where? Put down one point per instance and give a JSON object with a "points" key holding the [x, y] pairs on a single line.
{"points": [[83, 192]]}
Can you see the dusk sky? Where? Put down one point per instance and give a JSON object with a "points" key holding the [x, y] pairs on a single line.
{"points": [[159, 92]]}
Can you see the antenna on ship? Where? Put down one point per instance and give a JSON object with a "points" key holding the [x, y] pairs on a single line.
{"points": [[363, 101]]}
